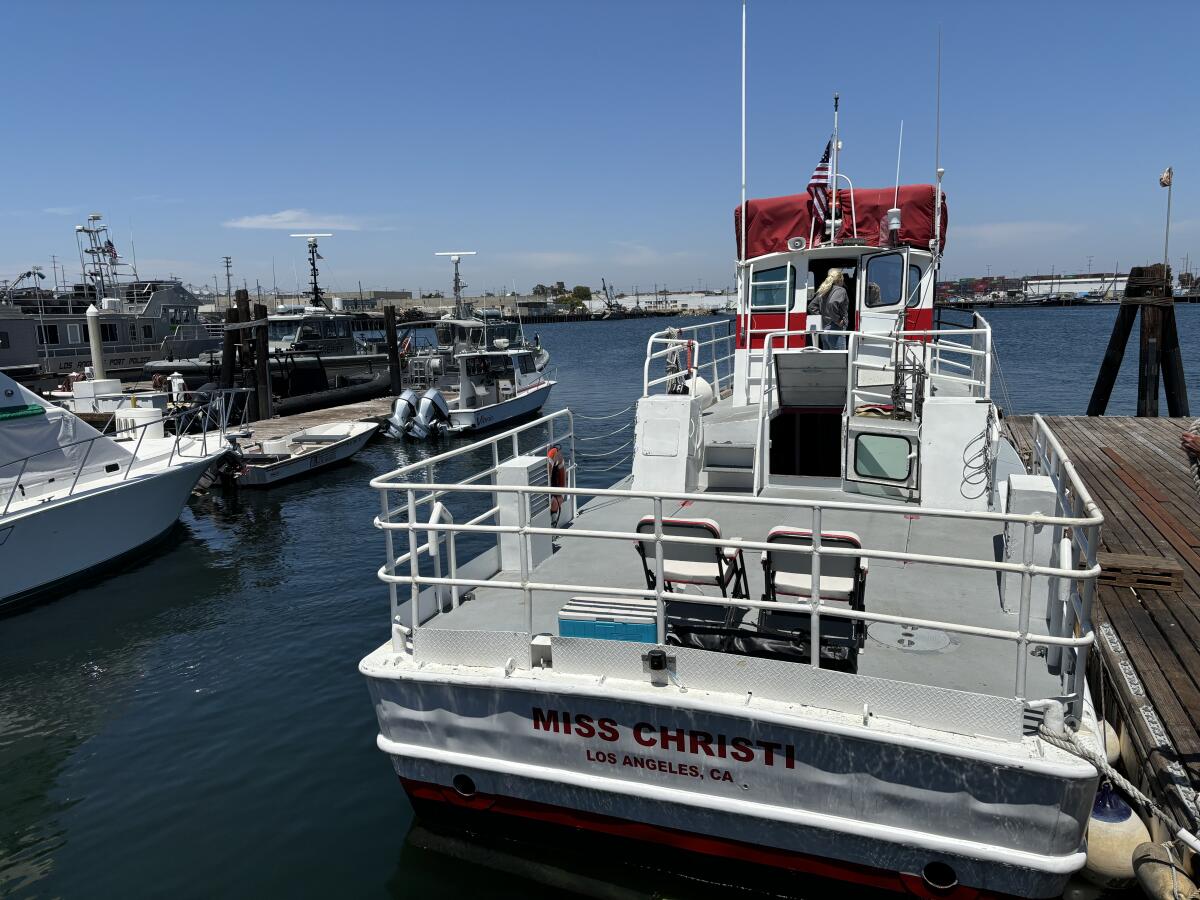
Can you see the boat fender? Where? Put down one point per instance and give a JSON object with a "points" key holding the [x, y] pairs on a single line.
{"points": [[1114, 832], [1161, 873], [1112, 743], [556, 473]]}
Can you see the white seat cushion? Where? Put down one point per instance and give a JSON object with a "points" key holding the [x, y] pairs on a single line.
{"points": [[800, 584], [692, 571]]}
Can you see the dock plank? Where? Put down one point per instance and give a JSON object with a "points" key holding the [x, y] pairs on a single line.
{"points": [[364, 410], [1142, 482]]}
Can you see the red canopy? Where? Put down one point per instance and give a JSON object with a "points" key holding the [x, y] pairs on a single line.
{"points": [[772, 220]]}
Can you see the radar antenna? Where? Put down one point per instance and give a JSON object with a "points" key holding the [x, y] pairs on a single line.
{"points": [[318, 298], [459, 284]]}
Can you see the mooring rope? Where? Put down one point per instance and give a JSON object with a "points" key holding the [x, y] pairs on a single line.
{"points": [[602, 418], [601, 437], [1069, 742], [621, 461], [606, 453]]}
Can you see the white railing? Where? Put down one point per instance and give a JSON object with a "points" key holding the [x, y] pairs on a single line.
{"points": [[1076, 526], [706, 350], [214, 415]]}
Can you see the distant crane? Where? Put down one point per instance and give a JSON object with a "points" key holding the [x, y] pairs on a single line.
{"points": [[612, 307]]}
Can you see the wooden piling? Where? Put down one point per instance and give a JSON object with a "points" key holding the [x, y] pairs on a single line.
{"points": [[1174, 384], [393, 348], [229, 340], [1150, 346], [1148, 292], [1126, 315], [262, 360]]}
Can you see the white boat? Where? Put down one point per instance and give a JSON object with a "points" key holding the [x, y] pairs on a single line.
{"points": [[478, 372], [830, 624], [268, 462], [73, 500]]}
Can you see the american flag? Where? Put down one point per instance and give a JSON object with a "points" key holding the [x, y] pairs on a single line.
{"points": [[818, 186]]}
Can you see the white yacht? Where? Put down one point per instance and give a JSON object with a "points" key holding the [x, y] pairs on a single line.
{"points": [[73, 501], [826, 626]]}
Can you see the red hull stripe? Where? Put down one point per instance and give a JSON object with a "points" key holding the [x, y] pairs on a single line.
{"points": [[880, 879]]}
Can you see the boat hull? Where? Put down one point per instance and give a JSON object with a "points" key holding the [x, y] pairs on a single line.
{"points": [[524, 404], [862, 807], [47, 547], [261, 476]]}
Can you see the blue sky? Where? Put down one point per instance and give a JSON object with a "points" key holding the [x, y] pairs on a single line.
{"points": [[571, 140]]}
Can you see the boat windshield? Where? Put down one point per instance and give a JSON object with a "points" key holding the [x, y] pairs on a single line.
{"points": [[281, 331]]}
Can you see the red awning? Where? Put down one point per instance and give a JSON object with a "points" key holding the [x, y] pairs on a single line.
{"points": [[771, 221]]}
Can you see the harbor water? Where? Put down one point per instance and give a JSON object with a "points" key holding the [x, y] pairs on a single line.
{"points": [[196, 725]]}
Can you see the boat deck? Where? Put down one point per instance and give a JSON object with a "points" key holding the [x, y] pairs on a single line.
{"points": [[924, 591], [1148, 635]]}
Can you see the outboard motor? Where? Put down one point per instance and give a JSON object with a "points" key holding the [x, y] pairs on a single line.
{"points": [[404, 411], [433, 416]]}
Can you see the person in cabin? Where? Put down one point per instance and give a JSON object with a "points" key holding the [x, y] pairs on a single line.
{"points": [[832, 304]]}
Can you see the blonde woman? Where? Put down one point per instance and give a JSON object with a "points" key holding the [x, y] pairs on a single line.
{"points": [[833, 305]]}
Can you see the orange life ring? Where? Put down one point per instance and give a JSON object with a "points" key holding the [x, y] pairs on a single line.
{"points": [[556, 471]]}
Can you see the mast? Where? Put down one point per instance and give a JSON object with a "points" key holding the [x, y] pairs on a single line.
{"points": [[313, 256], [456, 257]]}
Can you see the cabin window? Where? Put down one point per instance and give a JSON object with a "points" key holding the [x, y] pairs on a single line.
{"points": [[885, 280], [501, 365], [309, 333], [47, 334], [914, 286], [882, 456], [476, 337], [476, 366], [108, 333], [4, 342], [770, 288], [147, 332], [526, 361], [76, 334], [279, 331], [343, 327], [132, 333]]}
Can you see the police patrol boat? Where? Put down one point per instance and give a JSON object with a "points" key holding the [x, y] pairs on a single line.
{"points": [[477, 372]]}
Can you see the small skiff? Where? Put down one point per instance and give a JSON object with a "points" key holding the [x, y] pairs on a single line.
{"points": [[268, 462]]}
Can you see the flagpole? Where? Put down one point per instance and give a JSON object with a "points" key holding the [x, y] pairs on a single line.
{"points": [[833, 204], [1167, 236]]}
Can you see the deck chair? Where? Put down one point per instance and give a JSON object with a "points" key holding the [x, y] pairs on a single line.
{"points": [[695, 624], [843, 582]]}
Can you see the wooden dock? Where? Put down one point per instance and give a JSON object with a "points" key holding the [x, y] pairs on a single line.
{"points": [[364, 410], [1146, 668]]}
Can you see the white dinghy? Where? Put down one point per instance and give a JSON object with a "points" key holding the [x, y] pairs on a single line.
{"points": [[268, 462]]}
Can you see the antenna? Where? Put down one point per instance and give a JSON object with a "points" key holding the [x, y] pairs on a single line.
{"points": [[899, 147], [743, 133], [313, 256], [935, 244], [455, 257]]}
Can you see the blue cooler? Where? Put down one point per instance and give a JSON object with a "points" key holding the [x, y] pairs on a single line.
{"points": [[609, 618]]}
